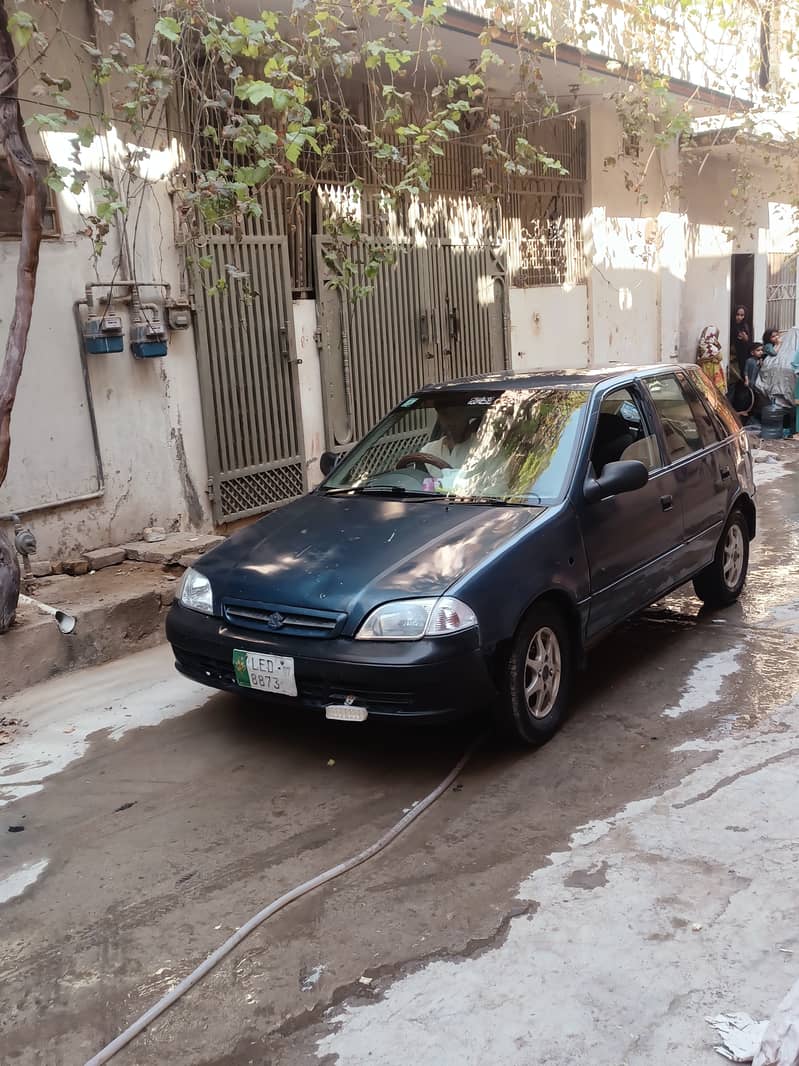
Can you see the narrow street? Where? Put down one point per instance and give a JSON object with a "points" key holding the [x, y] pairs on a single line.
{"points": [[591, 901]]}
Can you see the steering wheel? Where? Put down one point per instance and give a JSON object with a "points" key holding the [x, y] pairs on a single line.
{"points": [[422, 458]]}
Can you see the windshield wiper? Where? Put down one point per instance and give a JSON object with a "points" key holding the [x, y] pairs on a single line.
{"points": [[384, 490], [526, 499]]}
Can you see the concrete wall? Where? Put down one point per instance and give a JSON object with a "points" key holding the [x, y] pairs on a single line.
{"points": [[548, 327], [623, 248], [714, 233], [148, 412]]}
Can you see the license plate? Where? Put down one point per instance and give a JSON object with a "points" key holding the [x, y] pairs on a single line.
{"points": [[341, 712], [266, 673]]}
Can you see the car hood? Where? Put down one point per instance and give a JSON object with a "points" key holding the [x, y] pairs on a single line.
{"points": [[348, 554]]}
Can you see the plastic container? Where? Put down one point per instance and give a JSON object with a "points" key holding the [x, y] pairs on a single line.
{"points": [[772, 418]]}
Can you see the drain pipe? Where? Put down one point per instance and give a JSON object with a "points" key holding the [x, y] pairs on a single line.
{"points": [[65, 622]]}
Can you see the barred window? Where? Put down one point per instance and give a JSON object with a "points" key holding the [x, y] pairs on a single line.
{"points": [[11, 203]]}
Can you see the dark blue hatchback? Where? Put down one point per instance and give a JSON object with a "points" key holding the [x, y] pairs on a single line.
{"points": [[466, 553]]}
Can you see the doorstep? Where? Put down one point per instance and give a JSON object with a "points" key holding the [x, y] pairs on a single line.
{"points": [[118, 610]]}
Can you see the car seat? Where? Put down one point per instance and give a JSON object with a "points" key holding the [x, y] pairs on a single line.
{"points": [[613, 435]]}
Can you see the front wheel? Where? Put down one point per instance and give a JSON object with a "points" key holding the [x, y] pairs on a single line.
{"points": [[720, 584], [538, 677]]}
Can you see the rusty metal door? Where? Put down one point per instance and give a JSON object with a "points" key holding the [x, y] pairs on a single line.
{"points": [[468, 285], [781, 291], [248, 378], [437, 312]]}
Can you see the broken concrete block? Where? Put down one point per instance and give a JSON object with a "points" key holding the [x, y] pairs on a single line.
{"points": [[172, 548], [188, 560], [76, 567], [103, 557], [154, 534], [41, 567], [168, 594]]}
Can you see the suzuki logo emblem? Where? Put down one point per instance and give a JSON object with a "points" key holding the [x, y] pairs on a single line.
{"points": [[275, 620]]}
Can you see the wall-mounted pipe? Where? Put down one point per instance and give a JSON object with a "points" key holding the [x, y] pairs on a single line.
{"points": [[65, 622]]}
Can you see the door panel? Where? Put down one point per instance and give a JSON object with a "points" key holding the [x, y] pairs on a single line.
{"points": [[633, 543], [634, 540]]}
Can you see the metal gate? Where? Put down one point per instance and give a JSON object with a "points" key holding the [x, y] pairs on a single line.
{"points": [[781, 291], [438, 312], [248, 378]]}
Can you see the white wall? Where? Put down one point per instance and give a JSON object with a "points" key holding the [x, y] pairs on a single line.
{"points": [[148, 411], [548, 327], [310, 375], [623, 245]]}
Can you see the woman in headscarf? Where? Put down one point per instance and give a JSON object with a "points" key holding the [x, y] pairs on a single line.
{"points": [[742, 337], [779, 378], [708, 356]]}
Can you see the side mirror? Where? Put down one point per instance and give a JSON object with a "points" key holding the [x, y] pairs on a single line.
{"points": [[626, 476], [327, 462]]}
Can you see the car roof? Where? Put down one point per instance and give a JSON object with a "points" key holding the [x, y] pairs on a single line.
{"points": [[538, 379]]}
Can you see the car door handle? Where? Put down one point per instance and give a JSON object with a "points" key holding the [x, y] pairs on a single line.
{"points": [[666, 502], [725, 473]]}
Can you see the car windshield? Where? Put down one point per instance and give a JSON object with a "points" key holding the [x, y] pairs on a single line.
{"points": [[511, 446]]}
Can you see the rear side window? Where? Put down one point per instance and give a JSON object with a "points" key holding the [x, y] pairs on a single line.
{"points": [[679, 425], [709, 429], [727, 419]]}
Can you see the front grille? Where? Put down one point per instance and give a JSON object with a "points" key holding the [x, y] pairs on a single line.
{"points": [[321, 693], [277, 618]]}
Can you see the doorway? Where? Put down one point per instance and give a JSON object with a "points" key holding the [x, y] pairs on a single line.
{"points": [[742, 284]]}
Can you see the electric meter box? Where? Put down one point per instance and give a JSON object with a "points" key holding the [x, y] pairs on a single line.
{"points": [[102, 336]]}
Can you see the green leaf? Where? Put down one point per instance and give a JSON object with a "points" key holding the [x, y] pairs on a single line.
{"points": [[55, 182], [168, 28], [53, 121], [86, 136], [294, 148], [22, 27], [205, 262]]}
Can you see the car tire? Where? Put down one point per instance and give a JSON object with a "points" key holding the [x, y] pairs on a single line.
{"points": [[534, 701], [720, 583]]}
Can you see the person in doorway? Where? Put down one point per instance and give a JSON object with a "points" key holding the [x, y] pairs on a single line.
{"points": [[742, 338], [756, 397], [708, 356], [771, 342], [779, 378]]}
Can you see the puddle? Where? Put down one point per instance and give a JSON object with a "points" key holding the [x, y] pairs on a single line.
{"points": [[14, 884], [142, 690], [705, 682], [767, 470]]}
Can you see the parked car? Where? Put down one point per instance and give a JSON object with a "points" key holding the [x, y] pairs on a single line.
{"points": [[471, 548]]}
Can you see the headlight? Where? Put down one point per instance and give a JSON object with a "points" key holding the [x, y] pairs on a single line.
{"points": [[414, 619], [195, 592]]}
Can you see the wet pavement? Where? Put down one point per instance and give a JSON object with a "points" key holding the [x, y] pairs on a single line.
{"points": [[591, 901]]}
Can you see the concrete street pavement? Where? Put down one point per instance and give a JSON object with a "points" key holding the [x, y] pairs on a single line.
{"points": [[589, 902]]}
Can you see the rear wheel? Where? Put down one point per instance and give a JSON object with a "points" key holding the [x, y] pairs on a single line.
{"points": [[720, 584], [538, 676]]}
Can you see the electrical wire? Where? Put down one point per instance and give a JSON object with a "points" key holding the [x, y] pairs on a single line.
{"points": [[188, 982]]}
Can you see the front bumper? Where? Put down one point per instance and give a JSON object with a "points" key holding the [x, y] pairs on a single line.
{"points": [[443, 677]]}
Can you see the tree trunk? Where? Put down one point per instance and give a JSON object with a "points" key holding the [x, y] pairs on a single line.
{"points": [[17, 150]]}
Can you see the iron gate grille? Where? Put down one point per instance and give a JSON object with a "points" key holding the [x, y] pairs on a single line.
{"points": [[437, 312], [248, 378], [781, 291]]}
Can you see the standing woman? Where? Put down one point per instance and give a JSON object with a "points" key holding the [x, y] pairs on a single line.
{"points": [[779, 378], [742, 339], [708, 356]]}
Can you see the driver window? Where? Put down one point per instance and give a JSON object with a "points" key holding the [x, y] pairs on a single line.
{"points": [[622, 433]]}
